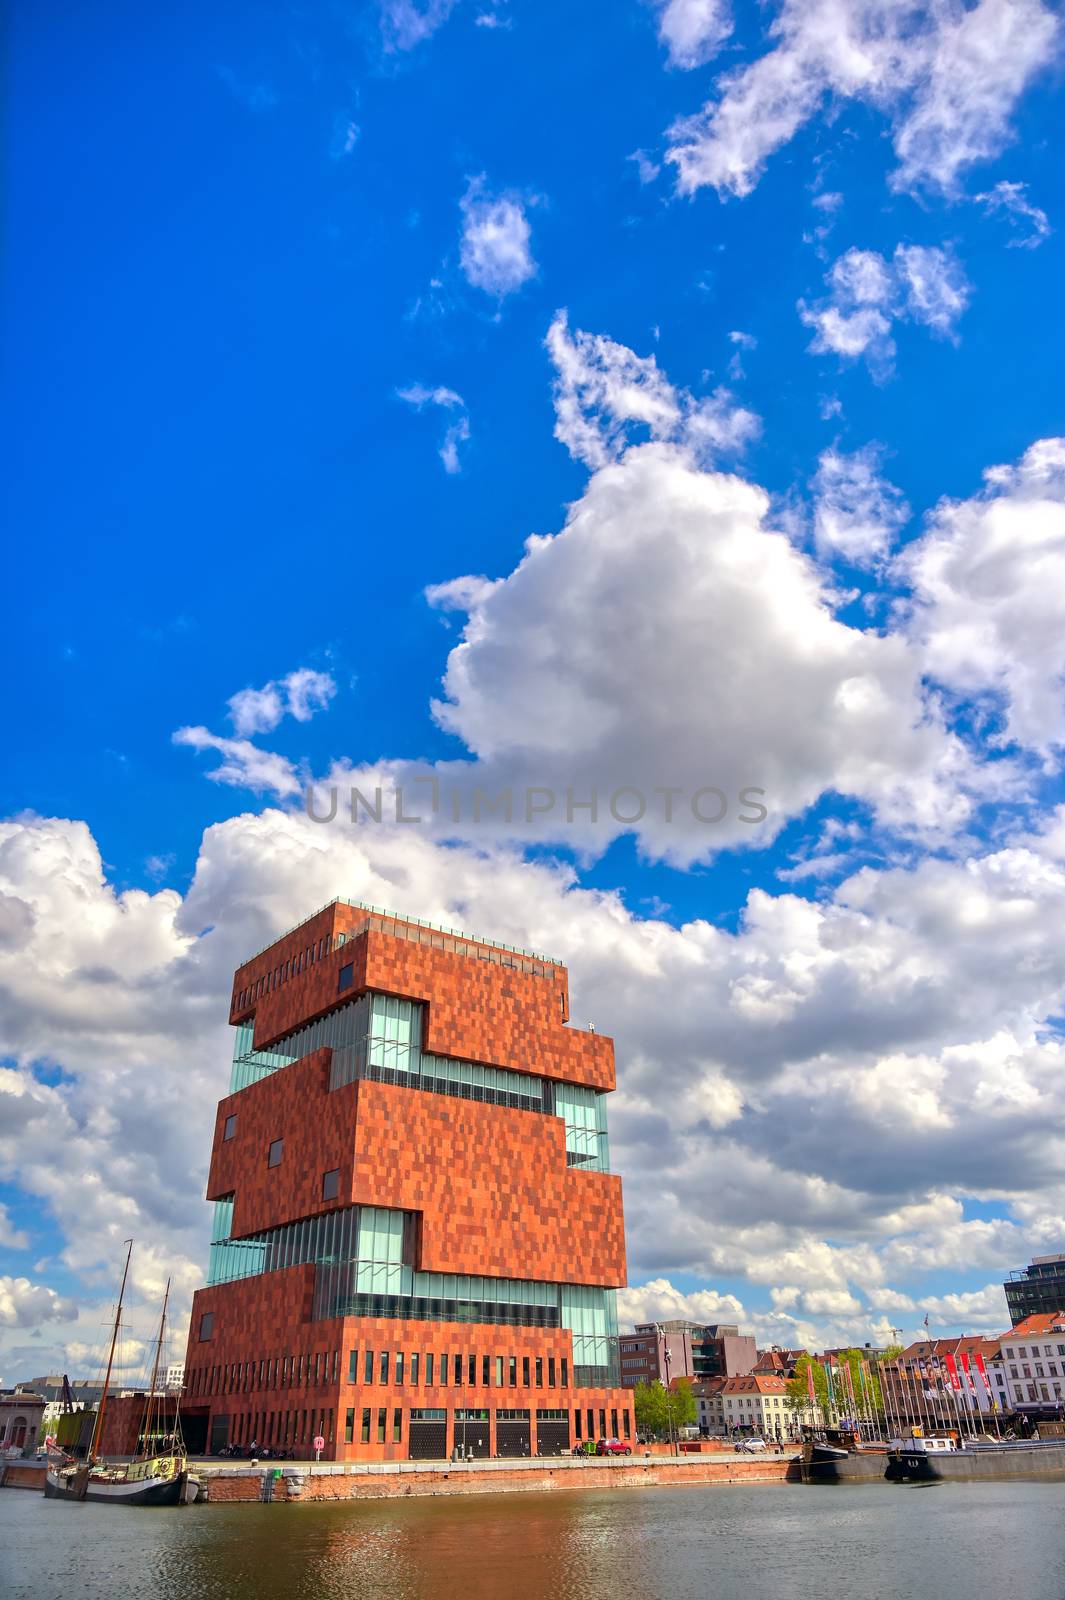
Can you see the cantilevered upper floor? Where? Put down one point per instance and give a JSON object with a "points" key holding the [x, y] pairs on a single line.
{"points": [[482, 1003]]}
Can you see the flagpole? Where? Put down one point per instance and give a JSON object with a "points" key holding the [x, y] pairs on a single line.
{"points": [[953, 1398], [901, 1403], [885, 1399], [992, 1402], [863, 1403], [937, 1384], [967, 1388], [896, 1396], [924, 1394], [888, 1392]]}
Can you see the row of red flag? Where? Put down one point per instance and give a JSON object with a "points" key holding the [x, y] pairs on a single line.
{"points": [[929, 1372]]}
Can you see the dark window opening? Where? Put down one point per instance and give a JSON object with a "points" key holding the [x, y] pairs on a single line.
{"points": [[206, 1325], [230, 1126], [346, 977], [331, 1184], [274, 1156]]}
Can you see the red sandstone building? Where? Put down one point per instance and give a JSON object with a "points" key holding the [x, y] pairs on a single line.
{"points": [[417, 1237]]}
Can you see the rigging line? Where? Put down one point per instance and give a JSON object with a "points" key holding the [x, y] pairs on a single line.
{"points": [[98, 1427], [151, 1407]]}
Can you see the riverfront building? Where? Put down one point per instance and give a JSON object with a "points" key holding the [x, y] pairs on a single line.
{"points": [[683, 1349], [21, 1411], [1028, 1367], [654, 1353], [417, 1238], [1038, 1288], [757, 1404]]}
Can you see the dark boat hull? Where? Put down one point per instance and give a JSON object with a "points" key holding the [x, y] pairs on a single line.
{"points": [[989, 1464], [168, 1491], [826, 1464]]}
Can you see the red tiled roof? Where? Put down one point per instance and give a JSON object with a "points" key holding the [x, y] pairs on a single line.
{"points": [[1035, 1326], [969, 1343], [708, 1387], [755, 1383]]}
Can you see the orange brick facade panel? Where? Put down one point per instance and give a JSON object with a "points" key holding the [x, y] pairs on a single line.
{"points": [[318, 1129], [476, 1010], [491, 1184], [254, 1322]]}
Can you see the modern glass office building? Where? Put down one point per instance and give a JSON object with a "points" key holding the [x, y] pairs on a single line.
{"points": [[1038, 1287], [417, 1238]]}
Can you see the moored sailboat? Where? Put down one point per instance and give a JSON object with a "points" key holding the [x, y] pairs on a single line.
{"points": [[148, 1480]]}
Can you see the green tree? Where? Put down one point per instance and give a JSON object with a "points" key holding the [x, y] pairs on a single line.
{"points": [[866, 1385], [680, 1404], [663, 1411], [650, 1403], [797, 1393]]}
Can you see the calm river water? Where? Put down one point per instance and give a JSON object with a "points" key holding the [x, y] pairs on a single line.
{"points": [[775, 1542]]}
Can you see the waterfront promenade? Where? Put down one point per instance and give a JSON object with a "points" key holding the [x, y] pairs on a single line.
{"points": [[295, 1482]]}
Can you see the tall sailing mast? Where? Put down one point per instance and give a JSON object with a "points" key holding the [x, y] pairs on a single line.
{"points": [[98, 1429], [149, 1414]]}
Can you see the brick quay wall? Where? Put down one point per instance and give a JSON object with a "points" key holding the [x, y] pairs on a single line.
{"points": [[21, 1475], [299, 1485]]}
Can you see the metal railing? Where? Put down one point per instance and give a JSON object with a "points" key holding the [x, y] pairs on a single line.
{"points": [[413, 922]]}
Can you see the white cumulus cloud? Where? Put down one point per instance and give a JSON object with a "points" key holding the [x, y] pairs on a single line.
{"points": [[406, 23], [495, 251], [693, 31], [300, 694], [11, 1238], [988, 586], [857, 512], [244, 765], [947, 75], [1012, 200], [602, 389], [26, 1305], [868, 293], [869, 1039]]}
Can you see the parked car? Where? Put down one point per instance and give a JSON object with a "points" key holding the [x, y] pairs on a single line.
{"points": [[613, 1447], [750, 1447]]}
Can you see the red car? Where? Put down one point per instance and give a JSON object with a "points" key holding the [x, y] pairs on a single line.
{"points": [[613, 1447]]}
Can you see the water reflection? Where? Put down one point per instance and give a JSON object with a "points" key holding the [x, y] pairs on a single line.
{"points": [[774, 1542]]}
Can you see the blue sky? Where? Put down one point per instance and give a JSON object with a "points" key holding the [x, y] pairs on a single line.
{"points": [[237, 241]]}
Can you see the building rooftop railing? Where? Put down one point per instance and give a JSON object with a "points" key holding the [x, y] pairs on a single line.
{"points": [[399, 919]]}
